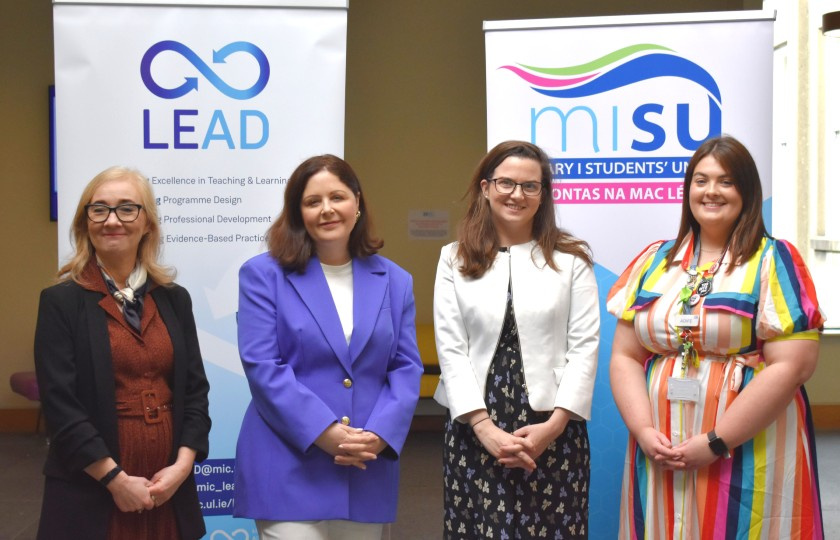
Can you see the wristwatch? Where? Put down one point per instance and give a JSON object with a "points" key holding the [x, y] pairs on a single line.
{"points": [[718, 446]]}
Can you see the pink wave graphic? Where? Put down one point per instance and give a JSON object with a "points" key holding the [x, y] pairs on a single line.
{"points": [[545, 81]]}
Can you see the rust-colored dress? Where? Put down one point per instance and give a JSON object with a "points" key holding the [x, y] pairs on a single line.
{"points": [[142, 368]]}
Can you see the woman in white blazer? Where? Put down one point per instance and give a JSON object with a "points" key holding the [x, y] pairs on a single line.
{"points": [[516, 323]]}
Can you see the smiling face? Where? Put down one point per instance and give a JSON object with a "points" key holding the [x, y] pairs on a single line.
{"points": [[113, 239], [714, 199], [328, 209], [513, 213]]}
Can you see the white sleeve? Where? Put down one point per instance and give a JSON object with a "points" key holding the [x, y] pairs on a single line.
{"points": [[459, 389]]}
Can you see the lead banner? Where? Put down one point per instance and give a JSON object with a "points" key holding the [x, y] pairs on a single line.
{"points": [[216, 103], [620, 104]]}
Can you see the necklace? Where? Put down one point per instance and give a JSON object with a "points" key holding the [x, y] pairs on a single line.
{"points": [[690, 296]]}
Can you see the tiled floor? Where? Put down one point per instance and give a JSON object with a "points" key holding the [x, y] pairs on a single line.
{"points": [[21, 457]]}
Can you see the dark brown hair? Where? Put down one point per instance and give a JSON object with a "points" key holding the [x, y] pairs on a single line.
{"points": [[287, 238], [749, 228], [478, 242]]}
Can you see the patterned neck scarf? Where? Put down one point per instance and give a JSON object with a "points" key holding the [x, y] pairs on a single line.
{"points": [[130, 299]]}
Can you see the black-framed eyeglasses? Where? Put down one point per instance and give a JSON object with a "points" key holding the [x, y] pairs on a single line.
{"points": [[126, 212], [506, 186]]}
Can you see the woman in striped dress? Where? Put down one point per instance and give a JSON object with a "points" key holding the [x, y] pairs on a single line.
{"points": [[717, 332]]}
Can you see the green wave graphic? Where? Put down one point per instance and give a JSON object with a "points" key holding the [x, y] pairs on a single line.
{"points": [[614, 56]]}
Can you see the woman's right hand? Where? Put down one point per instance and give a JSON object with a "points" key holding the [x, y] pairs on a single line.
{"points": [[657, 447], [330, 438], [131, 493], [336, 434], [510, 450]]}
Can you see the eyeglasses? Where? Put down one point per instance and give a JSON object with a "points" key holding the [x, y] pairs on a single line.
{"points": [[126, 212], [506, 186]]}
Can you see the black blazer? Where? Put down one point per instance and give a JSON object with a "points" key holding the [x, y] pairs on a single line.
{"points": [[76, 382]]}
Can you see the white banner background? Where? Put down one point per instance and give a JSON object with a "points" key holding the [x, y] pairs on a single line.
{"points": [[734, 49], [218, 185]]}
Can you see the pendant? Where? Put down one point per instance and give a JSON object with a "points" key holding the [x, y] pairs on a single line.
{"points": [[685, 294], [705, 287], [687, 350], [693, 300]]}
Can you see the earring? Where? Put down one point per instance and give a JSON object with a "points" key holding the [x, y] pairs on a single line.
{"points": [[358, 215]]}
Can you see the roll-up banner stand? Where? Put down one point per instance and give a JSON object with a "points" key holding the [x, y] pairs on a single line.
{"points": [[620, 104], [216, 103]]}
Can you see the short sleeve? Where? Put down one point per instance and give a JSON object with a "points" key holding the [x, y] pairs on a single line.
{"points": [[623, 296], [787, 297]]}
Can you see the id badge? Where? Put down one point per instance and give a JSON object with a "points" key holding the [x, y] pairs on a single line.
{"points": [[687, 320], [680, 389]]}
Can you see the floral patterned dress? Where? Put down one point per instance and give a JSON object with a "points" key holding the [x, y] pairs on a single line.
{"points": [[483, 499]]}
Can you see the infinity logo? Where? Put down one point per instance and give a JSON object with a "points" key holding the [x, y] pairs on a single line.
{"points": [[225, 536], [191, 83]]}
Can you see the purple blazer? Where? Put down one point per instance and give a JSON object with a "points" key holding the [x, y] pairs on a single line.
{"points": [[303, 376]]}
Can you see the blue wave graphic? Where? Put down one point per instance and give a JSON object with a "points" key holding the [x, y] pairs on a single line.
{"points": [[640, 69]]}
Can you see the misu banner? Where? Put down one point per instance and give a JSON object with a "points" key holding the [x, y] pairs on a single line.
{"points": [[620, 104]]}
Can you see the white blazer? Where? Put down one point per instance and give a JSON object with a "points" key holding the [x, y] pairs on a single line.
{"points": [[558, 319]]}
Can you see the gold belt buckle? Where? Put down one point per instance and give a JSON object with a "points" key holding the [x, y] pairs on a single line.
{"points": [[151, 410]]}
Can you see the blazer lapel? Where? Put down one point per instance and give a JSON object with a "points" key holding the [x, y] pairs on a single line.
{"points": [[370, 282], [315, 294], [100, 348]]}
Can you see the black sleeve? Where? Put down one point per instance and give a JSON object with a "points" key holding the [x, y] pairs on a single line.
{"points": [[196, 427], [66, 400]]}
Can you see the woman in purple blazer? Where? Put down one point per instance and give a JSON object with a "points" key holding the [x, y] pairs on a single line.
{"points": [[328, 344]]}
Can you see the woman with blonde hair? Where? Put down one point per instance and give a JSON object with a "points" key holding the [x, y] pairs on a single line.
{"points": [[122, 381]]}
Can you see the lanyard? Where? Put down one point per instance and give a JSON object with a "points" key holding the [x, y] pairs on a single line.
{"points": [[690, 296]]}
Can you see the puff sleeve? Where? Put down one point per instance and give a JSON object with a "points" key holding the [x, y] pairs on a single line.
{"points": [[787, 296], [626, 294]]}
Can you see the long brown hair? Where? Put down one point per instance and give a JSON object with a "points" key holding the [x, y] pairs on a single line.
{"points": [[749, 229], [148, 251], [287, 238], [478, 242]]}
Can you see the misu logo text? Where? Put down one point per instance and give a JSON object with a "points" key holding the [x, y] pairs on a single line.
{"points": [[618, 69], [253, 126]]}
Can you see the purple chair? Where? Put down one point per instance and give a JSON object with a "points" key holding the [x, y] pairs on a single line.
{"points": [[25, 384]]}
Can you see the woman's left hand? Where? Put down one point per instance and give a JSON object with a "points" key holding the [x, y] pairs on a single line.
{"points": [[694, 453], [359, 447], [166, 481], [540, 436]]}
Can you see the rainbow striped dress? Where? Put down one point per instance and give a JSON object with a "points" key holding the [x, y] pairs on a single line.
{"points": [[768, 489]]}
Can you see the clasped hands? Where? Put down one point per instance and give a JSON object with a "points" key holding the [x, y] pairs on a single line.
{"points": [[518, 449], [691, 454], [350, 446], [136, 493]]}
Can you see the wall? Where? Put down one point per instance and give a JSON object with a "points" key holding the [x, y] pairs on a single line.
{"points": [[28, 237], [415, 128]]}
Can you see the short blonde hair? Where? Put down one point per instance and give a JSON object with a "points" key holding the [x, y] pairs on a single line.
{"points": [[148, 252]]}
